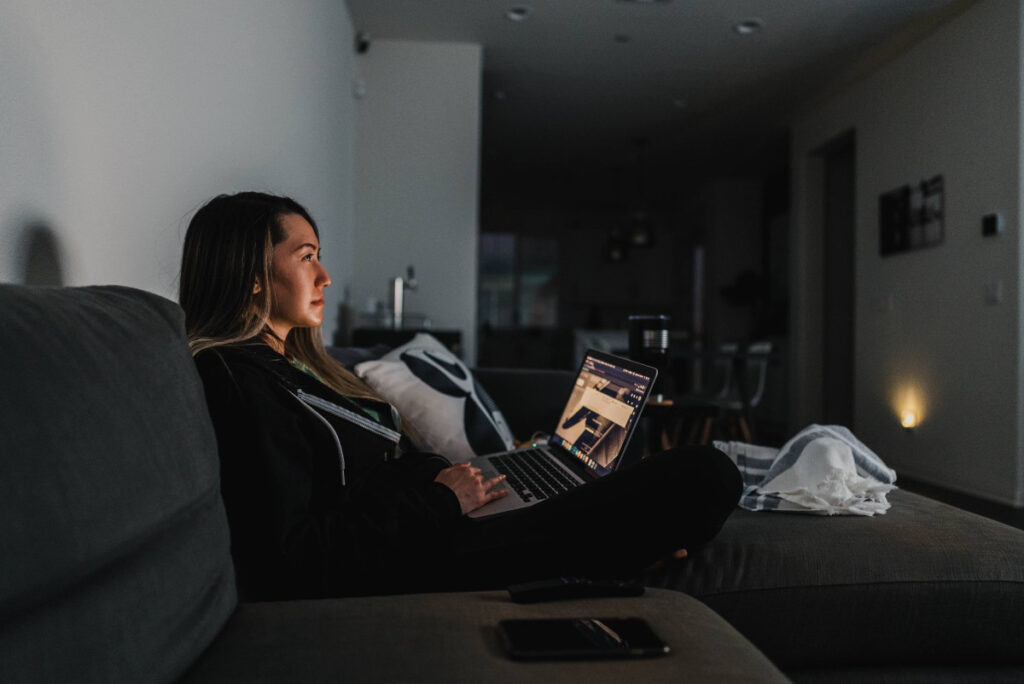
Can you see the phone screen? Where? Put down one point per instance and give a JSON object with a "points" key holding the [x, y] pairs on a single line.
{"points": [[564, 638]]}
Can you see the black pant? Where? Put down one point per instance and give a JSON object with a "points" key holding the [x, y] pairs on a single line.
{"points": [[614, 527]]}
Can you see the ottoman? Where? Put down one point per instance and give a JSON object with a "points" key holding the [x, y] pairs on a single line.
{"points": [[453, 638]]}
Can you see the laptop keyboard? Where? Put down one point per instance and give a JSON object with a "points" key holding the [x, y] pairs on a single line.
{"points": [[532, 475]]}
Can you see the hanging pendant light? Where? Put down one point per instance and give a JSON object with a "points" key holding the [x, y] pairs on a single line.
{"points": [[640, 229], [616, 250]]}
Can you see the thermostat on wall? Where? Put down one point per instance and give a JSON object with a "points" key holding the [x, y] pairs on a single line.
{"points": [[992, 224]]}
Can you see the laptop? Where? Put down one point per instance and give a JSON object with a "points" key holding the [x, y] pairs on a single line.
{"points": [[588, 442]]}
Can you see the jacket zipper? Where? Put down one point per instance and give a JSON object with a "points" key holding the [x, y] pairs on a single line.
{"points": [[334, 436], [351, 416]]}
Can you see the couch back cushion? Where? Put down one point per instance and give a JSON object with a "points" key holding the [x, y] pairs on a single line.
{"points": [[531, 399], [115, 550]]}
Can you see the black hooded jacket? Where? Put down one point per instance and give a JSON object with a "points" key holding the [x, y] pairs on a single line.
{"points": [[318, 505]]}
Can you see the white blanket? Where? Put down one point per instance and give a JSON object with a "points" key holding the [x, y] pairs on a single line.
{"points": [[824, 469]]}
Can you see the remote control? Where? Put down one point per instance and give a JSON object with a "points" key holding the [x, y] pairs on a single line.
{"points": [[562, 588]]}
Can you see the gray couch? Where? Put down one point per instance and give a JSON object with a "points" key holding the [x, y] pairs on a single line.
{"points": [[117, 560], [115, 550], [926, 592]]}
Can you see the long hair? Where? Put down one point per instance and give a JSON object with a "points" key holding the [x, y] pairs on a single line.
{"points": [[229, 250]]}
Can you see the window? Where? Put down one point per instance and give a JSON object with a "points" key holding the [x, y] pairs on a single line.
{"points": [[518, 285]]}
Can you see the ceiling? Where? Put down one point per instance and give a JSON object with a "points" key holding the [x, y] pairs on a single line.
{"points": [[584, 81]]}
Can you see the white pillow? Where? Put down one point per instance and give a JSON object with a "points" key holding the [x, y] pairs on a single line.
{"points": [[437, 396]]}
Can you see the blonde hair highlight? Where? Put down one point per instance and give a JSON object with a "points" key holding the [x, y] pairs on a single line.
{"points": [[232, 239]]}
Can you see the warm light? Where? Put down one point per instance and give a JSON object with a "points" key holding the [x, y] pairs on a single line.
{"points": [[908, 403]]}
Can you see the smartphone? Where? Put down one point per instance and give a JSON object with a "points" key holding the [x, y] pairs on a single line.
{"points": [[580, 638]]}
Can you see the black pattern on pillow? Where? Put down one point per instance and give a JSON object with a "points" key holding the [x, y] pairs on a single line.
{"points": [[449, 412]]}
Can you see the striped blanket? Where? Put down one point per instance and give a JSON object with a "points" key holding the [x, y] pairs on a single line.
{"points": [[823, 469]]}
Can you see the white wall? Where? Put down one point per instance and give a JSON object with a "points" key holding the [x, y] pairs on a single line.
{"points": [[418, 178], [119, 118], [950, 105]]}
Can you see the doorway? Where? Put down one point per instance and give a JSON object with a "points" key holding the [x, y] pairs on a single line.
{"points": [[838, 282]]}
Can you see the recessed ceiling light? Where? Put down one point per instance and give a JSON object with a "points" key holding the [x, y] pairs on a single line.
{"points": [[518, 12], [748, 27]]}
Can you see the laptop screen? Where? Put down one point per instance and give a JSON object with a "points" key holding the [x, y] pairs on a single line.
{"points": [[602, 410]]}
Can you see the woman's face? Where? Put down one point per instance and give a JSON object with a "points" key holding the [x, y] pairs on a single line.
{"points": [[298, 278]]}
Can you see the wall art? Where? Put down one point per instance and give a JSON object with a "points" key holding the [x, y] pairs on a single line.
{"points": [[911, 217]]}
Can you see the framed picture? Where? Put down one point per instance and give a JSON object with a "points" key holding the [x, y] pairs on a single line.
{"points": [[911, 217]]}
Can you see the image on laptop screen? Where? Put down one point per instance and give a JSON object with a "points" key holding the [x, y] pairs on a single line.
{"points": [[605, 402]]}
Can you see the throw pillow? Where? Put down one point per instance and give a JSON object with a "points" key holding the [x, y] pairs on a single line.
{"points": [[437, 396]]}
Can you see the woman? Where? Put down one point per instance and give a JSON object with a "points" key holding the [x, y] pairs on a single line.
{"points": [[321, 498]]}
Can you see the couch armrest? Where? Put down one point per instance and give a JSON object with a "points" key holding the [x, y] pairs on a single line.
{"points": [[530, 399]]}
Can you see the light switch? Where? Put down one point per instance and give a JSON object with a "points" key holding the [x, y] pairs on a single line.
{"points": [[992, 224]]}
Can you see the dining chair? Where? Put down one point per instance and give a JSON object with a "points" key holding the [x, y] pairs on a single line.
{"points": [[745, 391]]}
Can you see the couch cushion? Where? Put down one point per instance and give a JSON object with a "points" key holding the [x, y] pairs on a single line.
{"points": [[924, 584], [530, 399], [453, 638], [349, 357], [116, 562]]}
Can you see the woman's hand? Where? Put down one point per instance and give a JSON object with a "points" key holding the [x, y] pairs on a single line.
{"points": [[678, 554], [469, 485]]}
